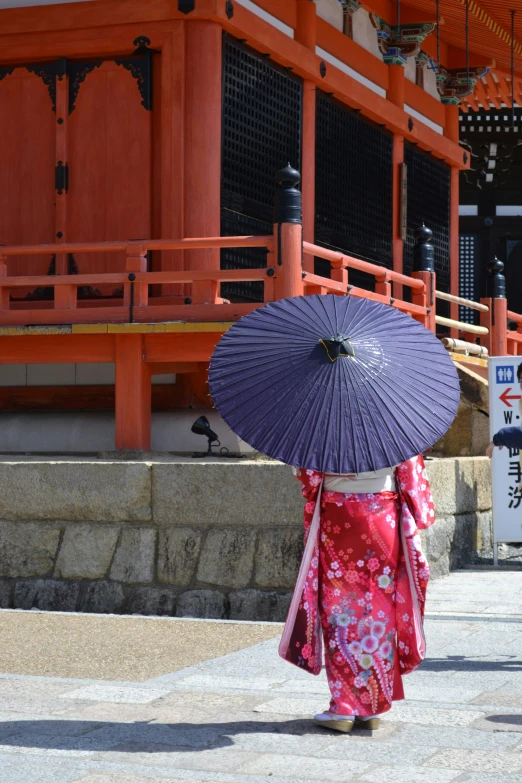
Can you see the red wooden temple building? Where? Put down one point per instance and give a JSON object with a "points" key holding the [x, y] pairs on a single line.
{"points": [[138, 158]]}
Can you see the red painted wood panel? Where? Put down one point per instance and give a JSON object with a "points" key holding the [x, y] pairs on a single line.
{"points": [[27, 161], [109, 166]]}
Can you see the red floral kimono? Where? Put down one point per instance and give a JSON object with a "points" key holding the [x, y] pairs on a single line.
{"points": [[363, 579]]}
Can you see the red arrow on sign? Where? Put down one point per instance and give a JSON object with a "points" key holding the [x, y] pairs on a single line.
{"points": [[506, 396]]}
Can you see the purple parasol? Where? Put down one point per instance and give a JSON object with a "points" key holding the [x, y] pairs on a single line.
{"points": [[335, 384]]}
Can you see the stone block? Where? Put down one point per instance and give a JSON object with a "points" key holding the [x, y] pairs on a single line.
{"points": [[53, 596], [437, 541], [479, 433], [201, 603], [482, 481], [473, 388], [76, 491], [465, 486], [442, 477], [457, 440], [178, 552], [134, 558], [278, 556], [257, 494], [150, 600], [86, 551], [260, 605], [102, 597], [227, 557], [24, 593], [5, 594], [484, 538], [27, 549], [46, 594]]}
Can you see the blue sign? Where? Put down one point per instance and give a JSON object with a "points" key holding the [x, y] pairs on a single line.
{"points": [[505, 374]]}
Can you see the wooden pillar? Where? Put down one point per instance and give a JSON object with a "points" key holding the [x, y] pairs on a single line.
{"points": [[4, 292], [172, 160], [395, 95], [305, 31], [202, 152], [306, 34], [397, 184], [451, 131], [288, 232], [454, 244], [133, 394], [396, 79]]}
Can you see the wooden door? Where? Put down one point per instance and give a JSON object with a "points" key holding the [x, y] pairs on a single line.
{"points": [[109, 158], [27, 166]]}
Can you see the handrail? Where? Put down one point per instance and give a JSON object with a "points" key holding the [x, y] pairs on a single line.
{"points": [[152, 278], [138, 244], [460, 301], [340, 260], [461, 326], [514, 317]]}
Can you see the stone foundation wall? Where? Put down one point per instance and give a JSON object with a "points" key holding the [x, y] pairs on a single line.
{"points": [[204, 539]]}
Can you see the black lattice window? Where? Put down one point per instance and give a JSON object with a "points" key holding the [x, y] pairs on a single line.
{"points": [[429, 203], [262, 106], [468, 275], [353, 188]]}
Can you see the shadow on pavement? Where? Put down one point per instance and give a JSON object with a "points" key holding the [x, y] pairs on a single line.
{"points": [[514, 720], [460, 663], [143, 737]]}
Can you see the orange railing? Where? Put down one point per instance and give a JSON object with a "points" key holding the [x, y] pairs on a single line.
{"points": [[283, 276], [135, 305]]}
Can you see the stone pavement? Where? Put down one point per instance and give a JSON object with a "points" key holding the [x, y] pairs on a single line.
{"points": [[243, 717]]}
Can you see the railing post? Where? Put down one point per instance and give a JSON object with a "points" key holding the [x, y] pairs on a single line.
{"points": [[4, 292], [136, 294], [288, 234], [384, 288], [424, 269], [497, 293]]}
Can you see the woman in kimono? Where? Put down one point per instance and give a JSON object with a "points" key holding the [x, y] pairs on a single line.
{"points": [[363, 582]]}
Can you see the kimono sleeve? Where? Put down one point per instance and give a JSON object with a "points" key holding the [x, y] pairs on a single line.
{"points": [[415, 489], [311, 481]]}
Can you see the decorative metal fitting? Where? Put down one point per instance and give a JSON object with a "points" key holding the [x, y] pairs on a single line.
{"points": [[322, 69], [186, 6]]}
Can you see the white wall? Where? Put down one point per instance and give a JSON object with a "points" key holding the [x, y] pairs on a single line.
{"points": [[364, 33], [85, 374], [331, 11], [76, 432]]}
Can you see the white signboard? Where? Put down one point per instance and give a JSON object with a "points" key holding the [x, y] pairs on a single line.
{"points": [[505, 411]]}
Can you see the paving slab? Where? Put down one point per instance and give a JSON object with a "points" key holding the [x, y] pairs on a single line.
{"points": [[87, 699]]}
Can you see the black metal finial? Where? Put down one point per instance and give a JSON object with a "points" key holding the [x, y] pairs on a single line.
{"points": [[142, 43], [288, 201], [496, 280], [288, 176], [423, 250]]}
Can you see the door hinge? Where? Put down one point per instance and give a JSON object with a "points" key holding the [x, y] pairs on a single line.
{"points": [[61, 177]]}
